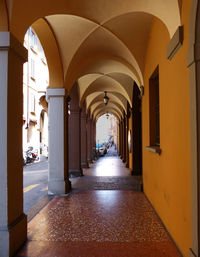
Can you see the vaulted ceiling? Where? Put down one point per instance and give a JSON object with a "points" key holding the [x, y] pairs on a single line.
{"points": [[99, 44]]}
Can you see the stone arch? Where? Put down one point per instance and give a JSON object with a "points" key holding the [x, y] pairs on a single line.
{"points": [[99, 97], [100, 105], [51, 49], [125, 80], [89, 10], [102, 65], [98, 115], [108, 84], [107, 109]]}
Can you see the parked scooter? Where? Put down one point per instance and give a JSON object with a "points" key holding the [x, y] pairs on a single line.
{"points": [[35, 155], [30, 155]]}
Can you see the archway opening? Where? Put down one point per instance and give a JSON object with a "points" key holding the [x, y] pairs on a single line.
{"points": [[35, 122], [106, 135]]}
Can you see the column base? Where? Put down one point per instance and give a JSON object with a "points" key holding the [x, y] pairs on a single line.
{"points": [[85, 165], [136, 173], [59, 187], [75, 173], [13, 237], [89, 161]]}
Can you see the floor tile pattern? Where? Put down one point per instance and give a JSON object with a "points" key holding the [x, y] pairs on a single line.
{"points": [[98, 223], [106, 183]]}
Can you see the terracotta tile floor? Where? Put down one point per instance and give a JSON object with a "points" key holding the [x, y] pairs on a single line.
{"points": [[100, 223]]}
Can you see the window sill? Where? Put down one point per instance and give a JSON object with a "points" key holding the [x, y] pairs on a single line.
{"points": [[33, 50], [154, 149], [43, 60]]}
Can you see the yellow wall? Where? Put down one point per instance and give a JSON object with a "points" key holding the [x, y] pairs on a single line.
{"points": [[130, 154], [167, 177]]}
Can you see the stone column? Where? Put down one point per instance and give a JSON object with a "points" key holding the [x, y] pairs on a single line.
{"points": [[119, 138], [124, 139], [94, 135], [84, 161], [74, 139], [58, 182], [13, 222], [136, 133], [127, 151], [92, 138], [89, 139]]}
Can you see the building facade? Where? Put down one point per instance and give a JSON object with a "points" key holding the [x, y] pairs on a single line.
{"points": [[35, 82]]}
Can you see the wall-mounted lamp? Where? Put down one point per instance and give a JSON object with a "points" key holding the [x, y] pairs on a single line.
{"points": [[106, 98]]}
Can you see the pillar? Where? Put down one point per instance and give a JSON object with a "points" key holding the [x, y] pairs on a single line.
{"points": [[93, 140], [95, 134], [119, 138], [13, 222], [84, 161], [136, 133], [89, 152], [127, 129], [74, 134], [58, 182], [124, 139]]}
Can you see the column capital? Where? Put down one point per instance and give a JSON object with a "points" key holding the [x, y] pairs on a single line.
{"points": [[9, 41], [55, 92]]}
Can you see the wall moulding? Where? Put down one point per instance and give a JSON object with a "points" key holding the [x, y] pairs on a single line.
{"points": [[175, 43]]}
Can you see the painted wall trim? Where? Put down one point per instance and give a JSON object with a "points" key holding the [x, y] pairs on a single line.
{"points": [[175, 43]]}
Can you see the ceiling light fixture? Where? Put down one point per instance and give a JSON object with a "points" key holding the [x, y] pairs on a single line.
{"points": [[106, 98], [107, 115]]}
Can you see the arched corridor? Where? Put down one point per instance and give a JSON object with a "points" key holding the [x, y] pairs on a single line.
{"points": [[137, 60]]}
